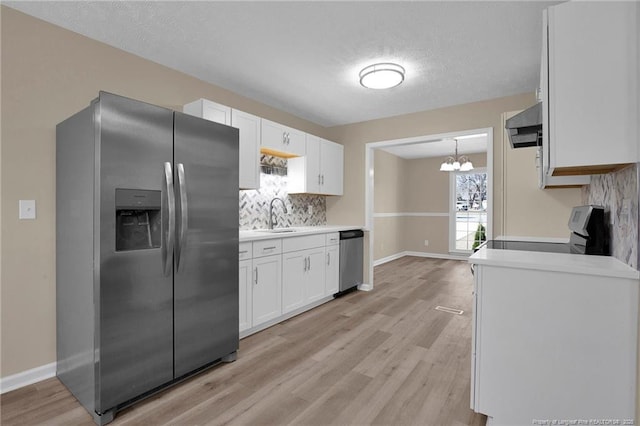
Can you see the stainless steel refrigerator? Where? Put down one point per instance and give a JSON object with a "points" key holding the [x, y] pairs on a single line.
{"points": [[146, 250]]}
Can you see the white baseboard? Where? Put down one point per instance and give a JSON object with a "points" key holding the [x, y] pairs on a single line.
{"points": [[365, 287], [419, 254], [28, 377], [388, 258], [437, 255]]}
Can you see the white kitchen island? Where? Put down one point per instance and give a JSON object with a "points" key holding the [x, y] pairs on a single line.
{"points": [[554, 338]]}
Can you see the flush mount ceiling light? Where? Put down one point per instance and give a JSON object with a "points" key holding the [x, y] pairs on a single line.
{"points": [[452, 164], [382, 76]]}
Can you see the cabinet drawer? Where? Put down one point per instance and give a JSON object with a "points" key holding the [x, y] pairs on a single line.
{"points": [[332, 239], [267, 247], [244, 251], [303, 243]]}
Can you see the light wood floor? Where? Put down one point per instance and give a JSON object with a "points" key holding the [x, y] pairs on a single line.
{"points": [[379, 358]]}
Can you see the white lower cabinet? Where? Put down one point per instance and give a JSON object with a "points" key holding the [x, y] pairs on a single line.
{"points": [[267, 297], [332, 270], [245, 295], [314, 277], [537, 333], [302, 278], [293, 272], [286, 276]]}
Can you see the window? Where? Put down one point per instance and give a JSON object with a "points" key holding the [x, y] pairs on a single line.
{"points": [[468, 218]]}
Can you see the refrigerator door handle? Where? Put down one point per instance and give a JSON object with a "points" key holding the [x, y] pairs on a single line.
{"points": [[184, 215], [169, 234]]}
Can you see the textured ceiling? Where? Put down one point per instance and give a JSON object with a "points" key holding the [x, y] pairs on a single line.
{"points": [[304, 57], [471, 144]]}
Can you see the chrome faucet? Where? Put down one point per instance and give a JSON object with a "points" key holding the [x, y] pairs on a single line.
{"points": [[271, 221]]}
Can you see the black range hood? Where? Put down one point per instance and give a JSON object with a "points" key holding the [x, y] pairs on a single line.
{"points": [[525, 128]]}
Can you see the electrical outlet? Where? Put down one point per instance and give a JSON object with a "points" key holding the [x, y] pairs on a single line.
{"points": [[309, 209], [27, 209], [426, 243]]}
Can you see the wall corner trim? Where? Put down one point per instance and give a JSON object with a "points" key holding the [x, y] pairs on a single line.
{"points": [[365, 287], [27, 377]]}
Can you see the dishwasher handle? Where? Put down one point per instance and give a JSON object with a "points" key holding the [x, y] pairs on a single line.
{"points": [[347, 235]]}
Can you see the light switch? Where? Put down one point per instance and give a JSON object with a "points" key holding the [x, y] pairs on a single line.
{"points": [[27, 209]]}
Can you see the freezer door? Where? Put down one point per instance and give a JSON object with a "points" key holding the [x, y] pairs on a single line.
{"points": [[135, 332], [206, 253]]}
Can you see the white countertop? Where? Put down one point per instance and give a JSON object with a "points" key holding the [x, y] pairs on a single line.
{"points": [[254, 235], [607, 266]]}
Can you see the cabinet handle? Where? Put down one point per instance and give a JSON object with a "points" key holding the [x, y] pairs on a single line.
{"points": [[323, 179], [256, 280], [269, 248], [318, 179], [328, 259], [309, 260], [243, 251]]}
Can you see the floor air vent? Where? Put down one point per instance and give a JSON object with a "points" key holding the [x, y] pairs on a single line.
{"points": [[449, 310]]}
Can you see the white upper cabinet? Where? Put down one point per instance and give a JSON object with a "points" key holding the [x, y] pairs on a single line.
{"points": [[249, 133], [249, 127], [591, 85], [332, 167], [281, 141], [321, 171], [209, 110]]}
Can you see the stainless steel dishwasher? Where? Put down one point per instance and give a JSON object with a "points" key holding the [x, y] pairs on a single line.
{"points": [[351, 253]]}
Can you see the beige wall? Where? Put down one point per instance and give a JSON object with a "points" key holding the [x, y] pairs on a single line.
{"points": [[354, 137], [389, 197], [48, 74], [411, 186], [388, 182], [529, 210]]}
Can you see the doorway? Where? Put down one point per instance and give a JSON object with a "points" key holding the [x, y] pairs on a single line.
{"points": [[443, 212]]}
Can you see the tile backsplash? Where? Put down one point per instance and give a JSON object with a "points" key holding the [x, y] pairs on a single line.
{"points": [[610, 191], [303, 209]]}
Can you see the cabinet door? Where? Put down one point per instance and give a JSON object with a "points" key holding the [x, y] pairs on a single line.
{"points": [[314, 285], [331, 167], [209, 110], [249, 127], [332, 276], [267, 296], [294, 267], [281, 140], [593, 81], [313, 176], [245, 294], [296, 143]]}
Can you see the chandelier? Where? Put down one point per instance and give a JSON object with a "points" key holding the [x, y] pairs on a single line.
{"points": [[455, 163]]}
